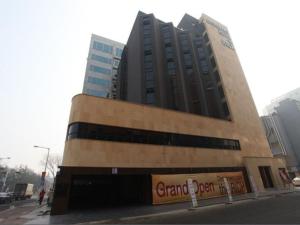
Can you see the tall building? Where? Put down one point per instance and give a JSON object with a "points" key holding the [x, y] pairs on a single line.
{"points": [[124, 152], [173, 67], [294, 94], [283, 131], [102, 65]]}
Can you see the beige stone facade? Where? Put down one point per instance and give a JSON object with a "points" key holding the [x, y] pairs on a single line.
{"points": [[94, 153]]}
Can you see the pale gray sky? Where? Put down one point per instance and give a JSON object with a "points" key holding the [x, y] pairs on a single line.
{"points": [[44, 45]]}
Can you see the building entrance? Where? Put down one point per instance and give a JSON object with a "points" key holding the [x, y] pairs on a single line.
{"points": [[265, 173], [90, 191]]}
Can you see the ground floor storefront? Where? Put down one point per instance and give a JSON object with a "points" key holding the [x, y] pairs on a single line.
{"points": [[82, 187]]}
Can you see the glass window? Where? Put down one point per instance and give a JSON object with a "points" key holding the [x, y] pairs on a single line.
{"points": [[101, 59], [96, 93], [213, 62], [150, 90], [172, 71], [150, 98], [149, 75], [98, 81], [102, 47], [204, 66], [171, 65], [209, 49], [168, 50], [225, 109], [147, 32], [206, 38], [201, 53], [148, 65], [131, 135], [99, 69], [147, 40], [148, 58], [118, 52], [147, 26], [147, 47], [149, 83], [217, 76], [221, 92], [169, 55]]}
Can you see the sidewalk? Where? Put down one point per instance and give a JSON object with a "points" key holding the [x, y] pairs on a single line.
{"points": [[109, 215]]}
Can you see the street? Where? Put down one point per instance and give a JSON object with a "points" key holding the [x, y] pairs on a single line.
{"points": [[281, 209], [12, 213]]}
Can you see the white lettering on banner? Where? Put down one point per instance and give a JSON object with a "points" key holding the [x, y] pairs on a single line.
{"points": [[192, 192]]}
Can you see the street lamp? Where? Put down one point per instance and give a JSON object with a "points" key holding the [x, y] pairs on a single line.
{"points": [[43, 180], [47, 155]]}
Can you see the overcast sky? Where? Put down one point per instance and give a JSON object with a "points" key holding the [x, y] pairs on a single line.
{"points": [[44, 45]]}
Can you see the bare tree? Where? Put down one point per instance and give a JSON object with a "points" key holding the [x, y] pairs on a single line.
{"points": [[54, 161]]}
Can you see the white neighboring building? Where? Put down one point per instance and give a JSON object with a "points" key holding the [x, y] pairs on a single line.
{"points": [[294, 94], [102, 65]]}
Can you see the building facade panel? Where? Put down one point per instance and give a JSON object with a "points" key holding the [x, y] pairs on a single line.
{"points": [[102, 65]]}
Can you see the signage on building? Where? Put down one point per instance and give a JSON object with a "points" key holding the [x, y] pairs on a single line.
{"points": [[226, 40], [174, 187]]}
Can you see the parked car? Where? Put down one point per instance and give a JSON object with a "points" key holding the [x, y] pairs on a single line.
{"points": [[5, 198], [296, 181]]}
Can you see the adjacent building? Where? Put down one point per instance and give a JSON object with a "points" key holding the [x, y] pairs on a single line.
{"points": [[126, 151], [283, 131], [294, 94], [102, 65]]}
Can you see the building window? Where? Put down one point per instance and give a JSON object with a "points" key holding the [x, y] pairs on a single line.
{"points": [[96, 93], [99, 69], [102, 47], [201, 53], [149, 84], [147, 41], [171, 65], [225, 109], [98, 81], [206, 38], [149, 75], [101, 59], [148, 65], [209, 49], [217, 76], [213, 62], [221, 92], [148, 58], [150, 98], [118, 52], [121, 134], [204, 66]]}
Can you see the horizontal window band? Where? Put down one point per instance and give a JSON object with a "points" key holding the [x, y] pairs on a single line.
{"points": [[81, 130]]}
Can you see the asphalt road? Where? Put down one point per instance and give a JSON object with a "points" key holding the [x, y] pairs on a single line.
{"points": [[12, 213], [277, 210]]}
